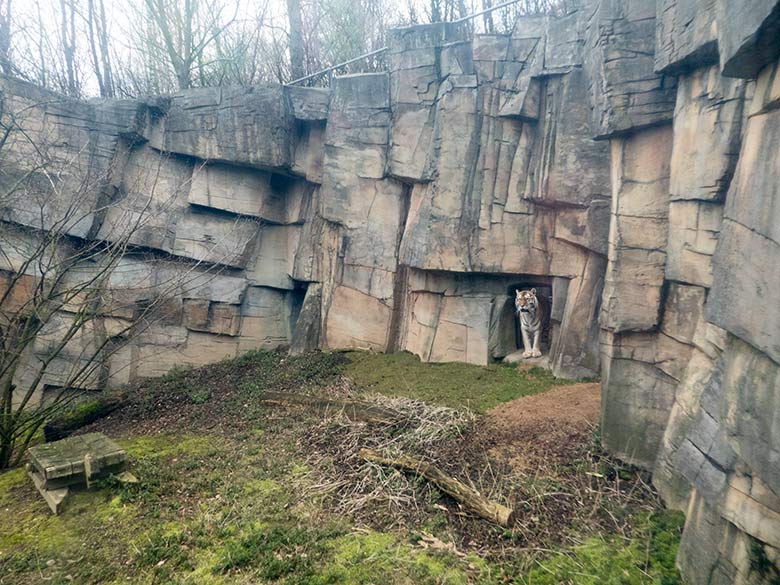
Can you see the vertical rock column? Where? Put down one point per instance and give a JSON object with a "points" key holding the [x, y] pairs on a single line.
{"points": [[718, 457], [707, 134], [732, 470], [637, 390], [633, 107], [414, 84], [366, 208]]}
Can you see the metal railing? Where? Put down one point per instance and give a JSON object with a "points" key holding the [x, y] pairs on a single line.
{"points": [[384, 49]]}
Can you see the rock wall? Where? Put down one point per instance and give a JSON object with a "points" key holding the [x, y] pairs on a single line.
{"points": [[622, 159], [690, 361], [395, 211]]}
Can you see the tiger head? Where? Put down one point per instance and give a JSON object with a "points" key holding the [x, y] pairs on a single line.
{"points": [[526, 301]]}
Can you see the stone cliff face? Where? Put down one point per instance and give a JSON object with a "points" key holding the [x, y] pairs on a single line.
{"points": [[622, 159], [690, 318]]}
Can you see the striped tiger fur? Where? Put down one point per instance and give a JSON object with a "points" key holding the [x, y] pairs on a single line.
{"points": [[529, 312]]}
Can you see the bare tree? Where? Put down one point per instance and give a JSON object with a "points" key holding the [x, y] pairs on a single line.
{"points": [[41, 76], [187, 31], [296, 38], [436, 11], [488, 16], [161, 46], [67, 305], [98, 45], [5, 37], [347, 29], [68, 43]]}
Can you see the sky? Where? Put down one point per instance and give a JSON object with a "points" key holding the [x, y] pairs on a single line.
{"points": [[122, 16]]}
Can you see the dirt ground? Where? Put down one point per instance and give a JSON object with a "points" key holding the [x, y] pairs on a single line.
{"points": [[552, 425]]}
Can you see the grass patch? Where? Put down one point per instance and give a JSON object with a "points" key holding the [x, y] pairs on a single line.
{"points": [[647, 557], [160, 446], [375, 557], [273, 553], [451, 384], [208, 509], [229, 492]]}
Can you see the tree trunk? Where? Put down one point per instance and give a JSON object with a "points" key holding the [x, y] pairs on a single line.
{"points": [[105, 55], [42, 71], [435, 11], [296, 39], [5, 38], [488, 16], [353, 410], [91, 25], [68, 32]]}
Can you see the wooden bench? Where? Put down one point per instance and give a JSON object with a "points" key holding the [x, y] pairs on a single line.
{"points": [[55, 467]]}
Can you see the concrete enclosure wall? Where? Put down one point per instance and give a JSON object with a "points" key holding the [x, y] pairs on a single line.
{"points": [[624, 157]]}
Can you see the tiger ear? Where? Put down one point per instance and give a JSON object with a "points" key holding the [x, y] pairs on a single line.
{"points": [[533, 291], [517, 293]]}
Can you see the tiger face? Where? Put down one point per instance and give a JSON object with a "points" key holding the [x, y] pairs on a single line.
{"points": [[526, 301]]}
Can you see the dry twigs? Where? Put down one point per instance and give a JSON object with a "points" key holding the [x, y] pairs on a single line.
{"points": [[565, 488], [359, 487], [467, 496]]}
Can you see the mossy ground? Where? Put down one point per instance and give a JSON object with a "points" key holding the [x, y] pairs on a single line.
{"points": [[234, 503], [647, 557], [209, 509], [456, 385]]}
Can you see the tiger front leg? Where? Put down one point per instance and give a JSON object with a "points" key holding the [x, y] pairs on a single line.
{"points": [[526, 342], [536, 352]]}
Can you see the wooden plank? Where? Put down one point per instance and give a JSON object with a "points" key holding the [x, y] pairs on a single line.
{"points": [[54, 497]]}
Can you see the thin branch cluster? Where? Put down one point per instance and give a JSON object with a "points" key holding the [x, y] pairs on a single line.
{"points": [[151, 47]]}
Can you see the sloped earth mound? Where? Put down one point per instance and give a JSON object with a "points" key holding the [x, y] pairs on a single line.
{"points": [[238, 490], [545, 428]]}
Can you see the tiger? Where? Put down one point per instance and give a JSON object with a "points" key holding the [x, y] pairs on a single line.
{"points": [[529, 312]]}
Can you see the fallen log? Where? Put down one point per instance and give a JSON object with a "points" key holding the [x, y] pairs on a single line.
{"points": [[353, 410], [80, 415], [465, 495]]}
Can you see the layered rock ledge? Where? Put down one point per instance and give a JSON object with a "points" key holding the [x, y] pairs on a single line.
{"points": [[622, 159]]}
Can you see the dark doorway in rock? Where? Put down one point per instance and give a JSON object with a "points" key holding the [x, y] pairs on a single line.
{"points": [[544, 294], [505, 337]]}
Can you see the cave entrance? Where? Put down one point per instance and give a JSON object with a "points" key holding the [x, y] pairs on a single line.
{"points": [[510, 324]]}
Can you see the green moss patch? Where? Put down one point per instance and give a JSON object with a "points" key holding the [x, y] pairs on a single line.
{"points": [[648, 556], [453, 384], [164, 445], [381, 558]]}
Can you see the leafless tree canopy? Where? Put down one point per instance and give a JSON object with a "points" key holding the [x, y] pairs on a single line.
{"points": [[110, 48]]}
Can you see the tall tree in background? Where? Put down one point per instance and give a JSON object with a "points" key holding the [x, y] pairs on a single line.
{"points": [[98, 45], [297, 69], [436, 11], [5, 37], [488, 16], [186, 31], [138, 47], [68, 40], [344, 29], [39, 44]]}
